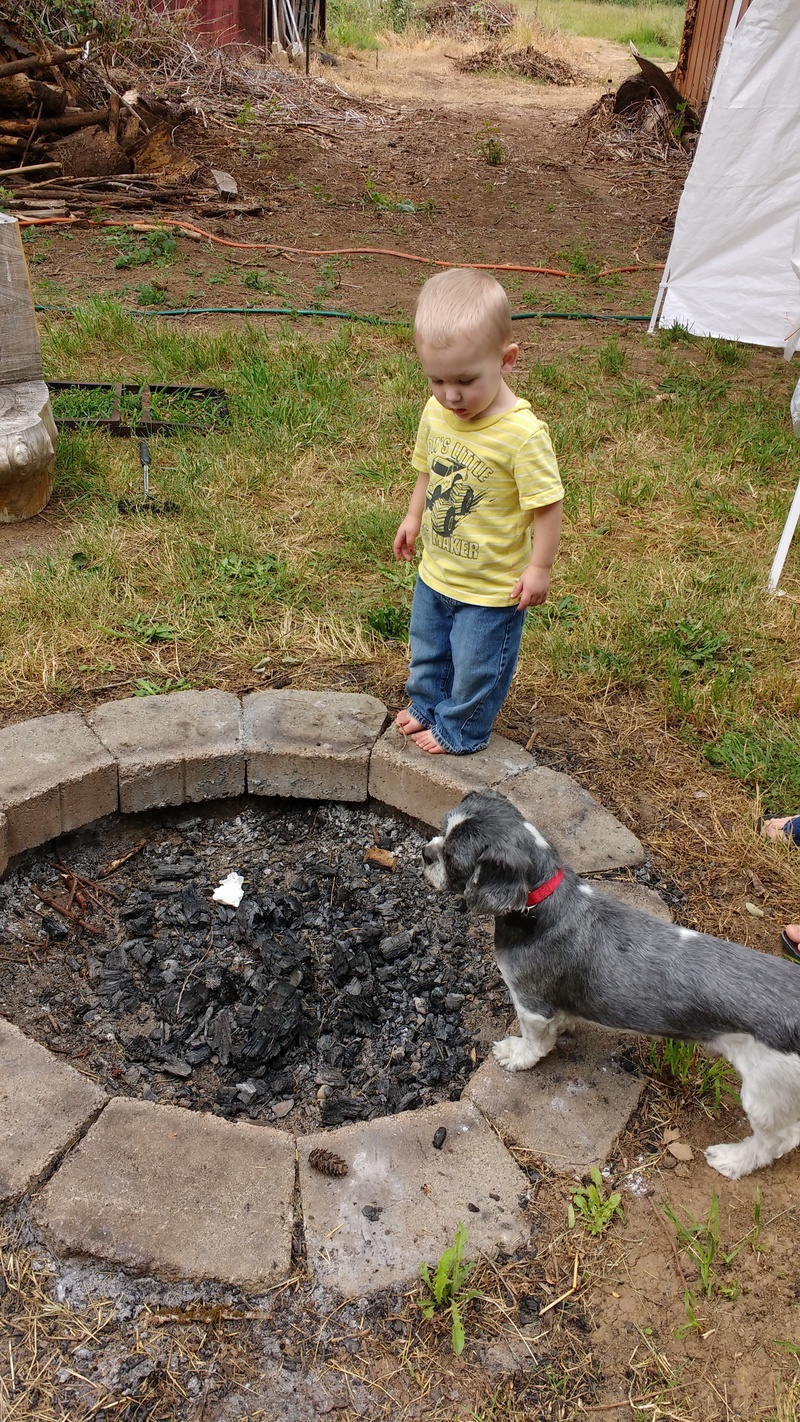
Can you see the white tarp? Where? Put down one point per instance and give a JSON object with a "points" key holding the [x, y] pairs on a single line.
{"points": [[734, 264]]}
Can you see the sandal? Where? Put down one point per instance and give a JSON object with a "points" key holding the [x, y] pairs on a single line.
{"points": [[790, 948], [789, 826]]}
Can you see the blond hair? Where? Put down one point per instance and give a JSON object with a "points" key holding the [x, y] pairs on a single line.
{"points": [[462, 302]]}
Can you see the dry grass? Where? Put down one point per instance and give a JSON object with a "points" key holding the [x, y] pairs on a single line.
{"points": [[698, 826], [166, 1362], [101, 1359]]}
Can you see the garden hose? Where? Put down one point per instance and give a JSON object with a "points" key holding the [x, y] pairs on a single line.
{"points": [[339, 315], [279, 247]]}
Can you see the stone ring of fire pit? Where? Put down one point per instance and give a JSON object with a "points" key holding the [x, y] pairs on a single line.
{"points": [[184, 1195]]}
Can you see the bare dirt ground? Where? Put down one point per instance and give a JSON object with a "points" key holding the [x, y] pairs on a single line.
{"points": [[623, 1343], [409, 173]]}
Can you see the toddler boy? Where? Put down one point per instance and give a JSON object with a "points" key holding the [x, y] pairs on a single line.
{"points": [[487, 501]]}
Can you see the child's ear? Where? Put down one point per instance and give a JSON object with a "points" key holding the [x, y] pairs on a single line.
{"points": [[509, 358]]}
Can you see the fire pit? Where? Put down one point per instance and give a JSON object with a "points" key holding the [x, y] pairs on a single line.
{"points": [[340, 990], [342, 987]]}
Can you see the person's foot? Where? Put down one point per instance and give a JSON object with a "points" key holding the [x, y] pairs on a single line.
{"points": [[781, 827], [427, 741], [407, 724], [790, 941]]}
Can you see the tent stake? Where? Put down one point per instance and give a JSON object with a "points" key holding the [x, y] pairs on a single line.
{"points": [[784, 544]]}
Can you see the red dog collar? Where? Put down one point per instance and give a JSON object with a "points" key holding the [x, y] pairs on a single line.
{"points": [[544, 890]]}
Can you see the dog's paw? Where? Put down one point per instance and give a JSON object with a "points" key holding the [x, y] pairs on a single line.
{"points": [[732, 1161], [514, 1054]]}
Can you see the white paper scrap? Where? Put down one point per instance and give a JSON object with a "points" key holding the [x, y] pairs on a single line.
{"points": [[230, 891]]}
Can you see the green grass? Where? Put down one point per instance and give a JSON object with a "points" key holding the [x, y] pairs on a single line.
{"points": [[654, 28], [685, 1068], [356, 24], [678, 461]]}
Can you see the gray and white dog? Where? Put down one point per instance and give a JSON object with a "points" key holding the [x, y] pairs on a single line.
{"points": [[567, 951]]}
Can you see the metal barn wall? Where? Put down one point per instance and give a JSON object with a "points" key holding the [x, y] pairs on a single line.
{"points": [[229, 21], [703, 33], [258, 22]]}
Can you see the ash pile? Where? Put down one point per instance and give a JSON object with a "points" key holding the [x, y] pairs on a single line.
{"points": [[341, 988]]}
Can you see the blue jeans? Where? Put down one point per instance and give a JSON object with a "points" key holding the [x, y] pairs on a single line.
{"points": [[462, 661]]}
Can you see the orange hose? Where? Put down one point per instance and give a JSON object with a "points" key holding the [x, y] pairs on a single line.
{"points": [[328, 251], [642, 267]]}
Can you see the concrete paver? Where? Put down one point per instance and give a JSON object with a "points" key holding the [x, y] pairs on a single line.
{"points": [[402, 1199], [310, 744], [54, 777], [635, 896], [426, 786], [179, 1194], [3, 843], [570, 1108], [588, 836], [171, 749], [44, 1105]]}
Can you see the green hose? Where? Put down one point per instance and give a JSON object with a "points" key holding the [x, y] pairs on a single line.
{"points": [[344, 315]]}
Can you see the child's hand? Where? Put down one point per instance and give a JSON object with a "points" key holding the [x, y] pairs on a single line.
{"points": [[405, 539], [531, 587]]}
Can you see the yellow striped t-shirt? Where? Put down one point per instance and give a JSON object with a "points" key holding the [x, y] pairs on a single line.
{"points": [[485, 481]]}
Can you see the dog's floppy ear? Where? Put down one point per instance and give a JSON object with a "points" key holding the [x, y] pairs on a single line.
{"points": [[498, 883]]}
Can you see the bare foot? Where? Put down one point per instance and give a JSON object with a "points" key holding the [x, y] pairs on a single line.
{"points": [[407, 724], [427, 741]]}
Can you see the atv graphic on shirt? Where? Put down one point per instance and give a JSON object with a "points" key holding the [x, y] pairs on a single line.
{"points": [[451, 499]]}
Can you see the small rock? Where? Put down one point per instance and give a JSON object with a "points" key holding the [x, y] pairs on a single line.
{"points": [[224, 183]]}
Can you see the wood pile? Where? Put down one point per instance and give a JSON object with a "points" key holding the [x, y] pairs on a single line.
{"points": [[528, 63], [71, 127], [92, 126], [465, 17]]}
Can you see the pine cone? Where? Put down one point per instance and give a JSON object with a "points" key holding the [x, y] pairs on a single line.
{"points": [[327, 1163]]}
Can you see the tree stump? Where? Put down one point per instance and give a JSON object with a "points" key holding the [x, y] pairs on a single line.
{"points": [[27, 450], [27, 427]]}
